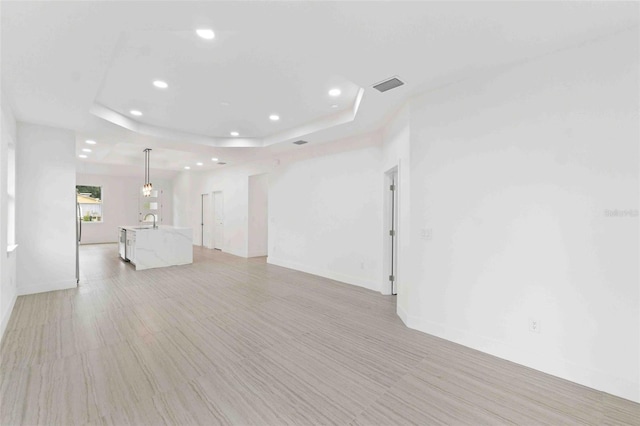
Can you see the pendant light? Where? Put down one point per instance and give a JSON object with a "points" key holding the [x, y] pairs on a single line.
{"points": [[146, 189]]}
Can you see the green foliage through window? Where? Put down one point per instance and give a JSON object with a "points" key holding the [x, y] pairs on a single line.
{"points": [[94, 191], [89, 200]]}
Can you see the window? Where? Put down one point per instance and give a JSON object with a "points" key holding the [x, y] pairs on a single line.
{"points": [[90, 200]]}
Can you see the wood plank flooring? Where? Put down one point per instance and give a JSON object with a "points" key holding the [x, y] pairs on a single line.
{"points": [[239, 342]]}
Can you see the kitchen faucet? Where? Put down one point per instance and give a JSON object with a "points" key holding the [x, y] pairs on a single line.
{"points": [[154, 219]]}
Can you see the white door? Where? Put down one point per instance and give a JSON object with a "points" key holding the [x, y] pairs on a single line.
{"points": [[205, 225], [393, 233], [218, 220]]}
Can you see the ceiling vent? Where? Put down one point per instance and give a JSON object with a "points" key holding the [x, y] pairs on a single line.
{"points": [[222, 163], [300, 142], [388, 84]]}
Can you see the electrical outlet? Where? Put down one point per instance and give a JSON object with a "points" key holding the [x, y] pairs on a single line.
{"points": [[534, 325], [426, 234], [362, 265]]}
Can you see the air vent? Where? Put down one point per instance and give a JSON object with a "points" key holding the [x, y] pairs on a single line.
{"points": [[389, 84], [300, 142], [222, 163]]}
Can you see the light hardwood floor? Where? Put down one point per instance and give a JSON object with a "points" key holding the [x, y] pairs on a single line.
{"points": [[235, 341]]}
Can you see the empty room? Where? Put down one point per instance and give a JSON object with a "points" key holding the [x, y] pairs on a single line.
{"points": [[319, 212]]}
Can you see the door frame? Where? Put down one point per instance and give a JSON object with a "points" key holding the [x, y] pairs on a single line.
{"points": [[205, 200], [391, 221], [212, 216]]}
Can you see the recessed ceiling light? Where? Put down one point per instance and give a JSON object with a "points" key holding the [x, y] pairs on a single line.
{"points": [[135, 112], [235, 134], [274, 117], [214, 159], [225, 104], [198, 164], [187, 167], [206, 34], [334, 106], [90, 142], [160, 84], [86, 150], [82, 156], [334, 92]]}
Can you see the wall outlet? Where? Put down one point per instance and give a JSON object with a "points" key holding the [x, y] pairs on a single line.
{"points": [[534, 325], [426, 234]]}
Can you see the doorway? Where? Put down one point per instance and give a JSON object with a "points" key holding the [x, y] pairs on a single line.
{"points": [[218, 220], [205, 225], [391, 234], [258, 240]]}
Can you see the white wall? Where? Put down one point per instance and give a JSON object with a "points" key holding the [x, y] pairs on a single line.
{"points": [[514, 174], [8, 283], [45, 176], [325, 216], [354, 161], [120, 205], [234, 184], [258, 215]]}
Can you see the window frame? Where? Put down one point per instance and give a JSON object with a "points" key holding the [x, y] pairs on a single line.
{"points": [[100, 209]]}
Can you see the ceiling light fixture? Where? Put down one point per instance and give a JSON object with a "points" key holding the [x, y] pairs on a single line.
{"points": [[135, 112], [206, 33], [160, 84], [198, 164], [187, 168], [235, 134], [274, 117], [334, 106], [86, 150], [90, 142], [335, 92], [146, 189], [82, 156], [214, 159]]}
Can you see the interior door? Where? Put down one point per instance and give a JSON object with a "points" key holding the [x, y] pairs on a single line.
{"points": [[218, 220], [205, 224]]}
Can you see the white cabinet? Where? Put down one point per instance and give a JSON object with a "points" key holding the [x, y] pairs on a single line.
{"points": [[131, 246], [149, 247]]}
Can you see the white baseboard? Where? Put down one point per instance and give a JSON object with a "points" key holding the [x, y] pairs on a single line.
{"points": [[402, 314], [349, 279], [50, 286], [6, 315], [235, 253], [599, 380]]}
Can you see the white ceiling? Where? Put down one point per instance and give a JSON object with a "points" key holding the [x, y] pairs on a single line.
{"points": [[84, 65]]}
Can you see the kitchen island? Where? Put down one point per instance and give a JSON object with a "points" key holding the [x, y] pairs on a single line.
{"points": [[147, 247]]}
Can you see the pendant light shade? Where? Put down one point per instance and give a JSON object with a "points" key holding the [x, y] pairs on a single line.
{"points": [[146, 189]]}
